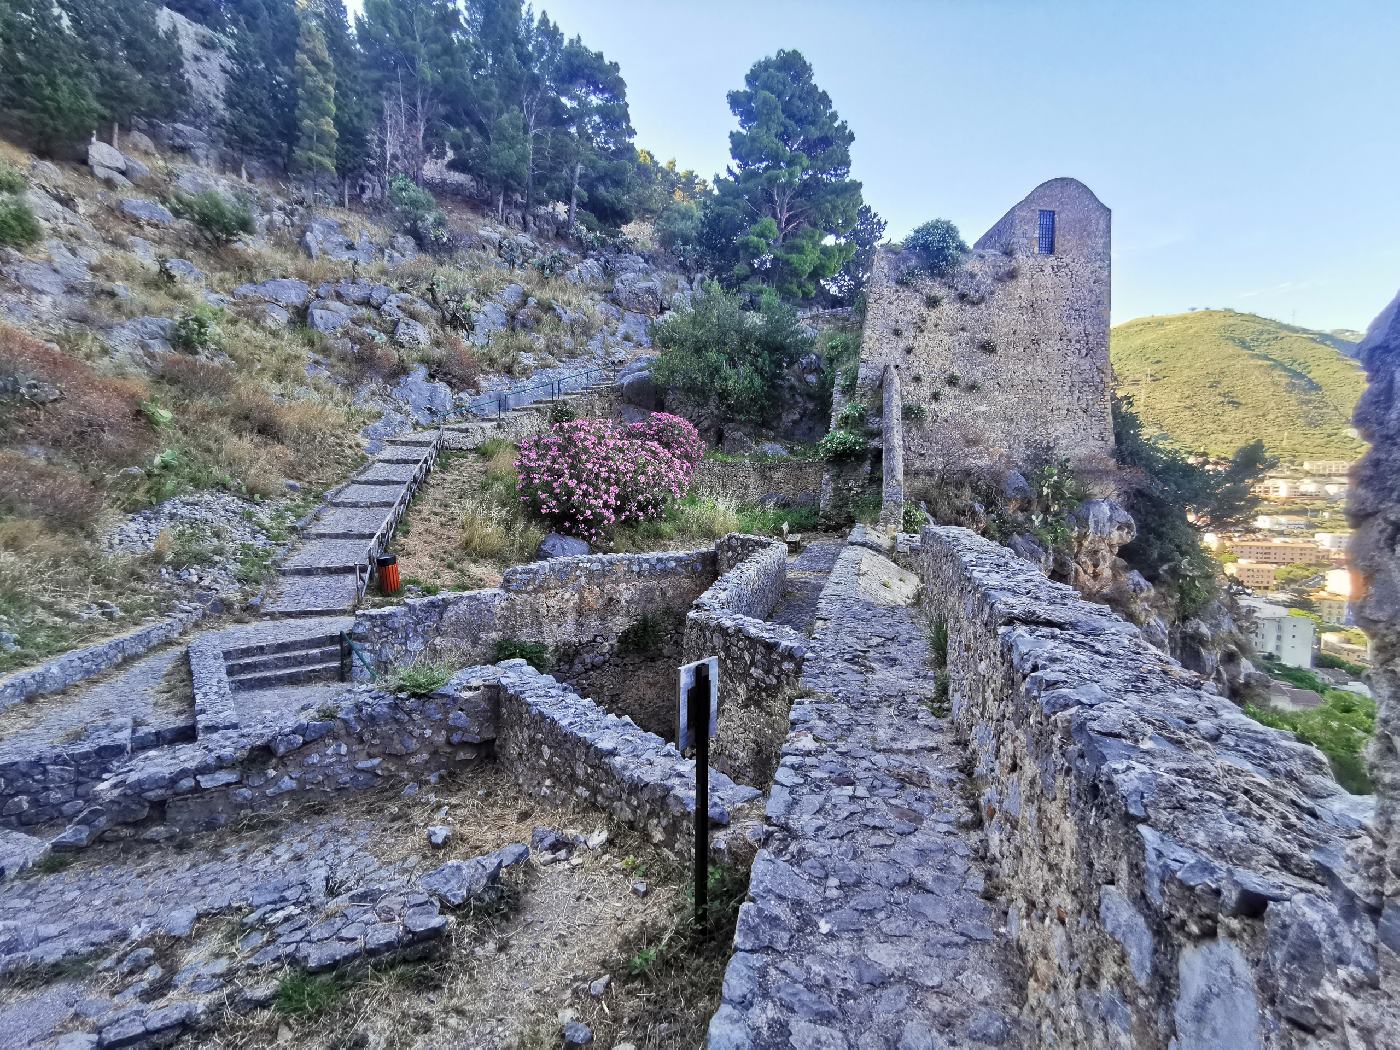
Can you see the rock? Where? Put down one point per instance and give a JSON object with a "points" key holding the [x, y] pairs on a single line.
{"points": [[286, 292], [103, 155], [324, 237], [196, 181], [324, 316], [639, 292], [138, 172], [588, 272], [492, 318], [143, 335], [145, 211], [557, 545], [597, 989], [425, 398], [640, 889], [439, 836], [459, 881], [182, 271], [510, 856], [576, 1033], [139, 142], [639, 390], [412, 334], [270, 316], [1015, 487], [597, 840]]}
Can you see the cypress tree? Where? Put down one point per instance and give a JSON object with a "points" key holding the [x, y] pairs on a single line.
{"points": [[44, 90], [315, 152]]}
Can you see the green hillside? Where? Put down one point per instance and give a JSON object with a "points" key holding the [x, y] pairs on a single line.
{"points": [[1212, 380]]}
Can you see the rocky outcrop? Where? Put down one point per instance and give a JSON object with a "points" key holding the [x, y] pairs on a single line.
{"points": [[1375, 553]]}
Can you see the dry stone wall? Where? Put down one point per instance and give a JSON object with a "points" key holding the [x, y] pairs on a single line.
{"points": [[786, 482], [1178, 875], [1009, 354]]}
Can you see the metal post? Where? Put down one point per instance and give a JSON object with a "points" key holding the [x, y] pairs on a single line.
{"points": [[699, 702]]}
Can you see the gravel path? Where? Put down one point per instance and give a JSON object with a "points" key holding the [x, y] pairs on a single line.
{"points": [[807, 573]]}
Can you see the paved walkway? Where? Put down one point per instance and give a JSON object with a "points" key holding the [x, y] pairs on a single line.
{"points": [[866, 924], [807, 573]]}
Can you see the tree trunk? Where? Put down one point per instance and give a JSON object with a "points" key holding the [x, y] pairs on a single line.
{"points": [[573, 194], [116, 139], [501, 204]]}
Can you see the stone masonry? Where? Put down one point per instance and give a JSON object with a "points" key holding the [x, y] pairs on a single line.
{"points": [[1008, 355]]}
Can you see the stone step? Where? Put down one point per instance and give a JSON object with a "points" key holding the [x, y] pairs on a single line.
{"points": [[313, 595], [416, 440], [319, 557], [275, 646], [292, 658], [367, 496], [321, 672], [386, 474], [348, 523]]}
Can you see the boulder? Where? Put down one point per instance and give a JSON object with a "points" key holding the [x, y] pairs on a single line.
{"points": [[286, 292], [182, 271], [195, 181], [557, 545], [426, 399], [412, 334], [324, 237], [639, 390], [639, 292], [588, 272], [270, 316], [327, 316], [139, 173], [103, 155], [635, 328], [143, 335], [145, 211], [139, 142], [460, 881], [491, 319]]}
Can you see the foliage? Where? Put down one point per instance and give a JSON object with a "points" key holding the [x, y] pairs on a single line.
{"points": [[421, 677], [590, 475], [1167, 492], [852, 416], [12, 180], [912, 519], [1337, 663], [418, 211], [18, 226], [643, 636], [843, 444], [260, 98], [769, 521], [44, 86], [785, 216], [219, 218], [848, 284], [300, 994], [195, 331], [913, 412], [937, 245], [533, 653], [1203, 380], [315, 151], [1339, 727], [726, 357]]}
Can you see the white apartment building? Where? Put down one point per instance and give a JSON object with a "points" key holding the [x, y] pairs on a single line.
{"points": [[1289, 639]]}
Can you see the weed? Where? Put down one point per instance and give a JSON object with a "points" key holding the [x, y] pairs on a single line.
{"points": [[421, 677], [299, 994], [643, 636]]}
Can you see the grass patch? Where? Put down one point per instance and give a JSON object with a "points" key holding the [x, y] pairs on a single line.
{"points": [[769, 521], [1340, 727], [300, 994], [422, 676], [535, 654]]}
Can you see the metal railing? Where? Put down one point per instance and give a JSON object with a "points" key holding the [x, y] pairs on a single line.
{"points": [[349, 653], [365, 571]]}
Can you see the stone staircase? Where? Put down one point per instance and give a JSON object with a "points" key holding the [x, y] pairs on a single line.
{"points": [[289, 661]]}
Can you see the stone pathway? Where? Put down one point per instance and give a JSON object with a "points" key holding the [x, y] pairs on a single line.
{"points": [[866, 924], [807, 573]]}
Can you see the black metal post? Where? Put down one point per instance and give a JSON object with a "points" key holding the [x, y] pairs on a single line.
{"points": [[699, 704]]}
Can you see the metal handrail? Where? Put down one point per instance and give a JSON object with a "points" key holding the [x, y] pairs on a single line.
{"points": [[349, 652], [385, 532]]}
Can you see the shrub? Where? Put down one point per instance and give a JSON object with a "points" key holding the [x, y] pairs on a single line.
{"points": [[913, 412], [1339, 727], [219, 218], [725, 357], [643, 636], [194, 331], [842, 444], [533, 653], [421, 677], [419, 212], [18, 226], [937, 246], [912, 519], [587, 476], [851, 416], [12, 180], [37, 490], [673, 433]]}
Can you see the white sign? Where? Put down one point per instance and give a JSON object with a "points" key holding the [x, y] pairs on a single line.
{"points": [[684, 735]]}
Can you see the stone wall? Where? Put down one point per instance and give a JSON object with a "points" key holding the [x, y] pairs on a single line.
{"points": [[1375, 553], [559, 745], [1009, 354], [41, 789], [759, 662], [562, 600], [1177, 873], [765, 482], [79, 665]]}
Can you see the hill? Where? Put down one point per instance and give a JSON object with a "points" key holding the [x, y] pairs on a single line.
{"points": [[1212, 380]]}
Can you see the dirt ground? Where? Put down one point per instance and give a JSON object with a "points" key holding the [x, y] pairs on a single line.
{"points": [[615, 919]]}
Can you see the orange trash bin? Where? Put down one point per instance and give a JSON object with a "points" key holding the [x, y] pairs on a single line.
{"points": [[387, 565]]}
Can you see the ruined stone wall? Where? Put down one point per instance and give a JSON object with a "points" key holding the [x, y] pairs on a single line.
{"points": [[1177, 874], [768, 482], [1009, 354], [1374, 510], [562, 600]]}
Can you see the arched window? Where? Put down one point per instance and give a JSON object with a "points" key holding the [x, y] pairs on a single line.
{"points": [[1047, 232]]}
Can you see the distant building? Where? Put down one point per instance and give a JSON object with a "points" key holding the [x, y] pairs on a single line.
{"points": [[1277, 488], [1279, 552], [1327, 467], [1287, 638], [1332, 541], [1254, 575], [1333, 608]]}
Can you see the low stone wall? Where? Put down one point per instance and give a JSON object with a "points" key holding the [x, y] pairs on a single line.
{"points": [[37, 790], [759, 662], [1177, 873], [364, 739], [562, 600], [557, 744], [68, 670], [766, 482]]}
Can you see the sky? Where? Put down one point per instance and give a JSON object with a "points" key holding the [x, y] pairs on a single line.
{"points": [[1249, 150]]}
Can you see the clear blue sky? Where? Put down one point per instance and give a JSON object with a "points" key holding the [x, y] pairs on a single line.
{"points": [[1249, 150]]}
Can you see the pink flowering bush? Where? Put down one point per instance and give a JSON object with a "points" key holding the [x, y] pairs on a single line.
{"points": [[586, 476]]}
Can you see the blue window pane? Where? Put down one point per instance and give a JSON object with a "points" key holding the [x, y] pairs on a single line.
{"points": [[1047, 233]]}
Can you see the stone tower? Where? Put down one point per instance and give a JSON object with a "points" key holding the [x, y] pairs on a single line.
{"points": [[1007, 358]]}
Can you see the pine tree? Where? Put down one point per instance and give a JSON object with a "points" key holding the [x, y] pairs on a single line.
{"points": [[44, 90], [260, 96], [135, 69], [789, 204], [355, 112], [315, 152]]}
